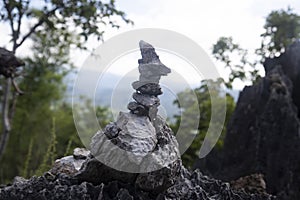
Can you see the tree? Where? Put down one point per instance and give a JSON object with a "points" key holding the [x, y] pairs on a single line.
{"points": [[282, 28], [225, 50], [72, 22], [43, 125], [204, 103]]}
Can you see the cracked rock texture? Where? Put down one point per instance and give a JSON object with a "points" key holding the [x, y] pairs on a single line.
{"points": [[95, 181], [264, 133]]}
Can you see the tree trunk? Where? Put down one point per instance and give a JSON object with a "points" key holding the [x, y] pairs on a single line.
{"points": [[6, 126]]}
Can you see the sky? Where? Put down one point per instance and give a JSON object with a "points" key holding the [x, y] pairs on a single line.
{"points": [[205, 21], [202, 21]]}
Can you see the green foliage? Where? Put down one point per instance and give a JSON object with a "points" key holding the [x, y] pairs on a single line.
{"points": [[28, 159], [42, 102], [49, 157], [236, 59], [104, 116], [55, 27], [282, 27], [203, 104], [84, 16], [68, 149]]}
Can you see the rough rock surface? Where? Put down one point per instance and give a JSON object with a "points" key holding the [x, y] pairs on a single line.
{"points": [[139, 157], [254, 183], [264, 133], [110, 185], [136, 137]]}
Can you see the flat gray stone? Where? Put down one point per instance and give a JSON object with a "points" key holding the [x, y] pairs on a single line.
{"points": [[150, 88], [154, 69], [136, 139], [80, 153], [138, 109], [146, 100]]}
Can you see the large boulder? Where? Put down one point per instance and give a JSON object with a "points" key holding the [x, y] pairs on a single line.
{"points": [[263, 135]]}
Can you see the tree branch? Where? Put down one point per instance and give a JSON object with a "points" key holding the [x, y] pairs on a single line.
{"points": [[19, 22], [39, 23], [13, 106], [11, 22]]}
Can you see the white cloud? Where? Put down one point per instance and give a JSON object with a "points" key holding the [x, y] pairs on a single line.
{"points": [[202, 21], [205, 21]]}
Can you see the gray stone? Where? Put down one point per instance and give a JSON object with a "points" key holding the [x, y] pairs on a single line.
{"points": [[153, 69], [148, 53], [138, 109], [137, 138], [67, 165], [9, 63], [138, 84], [150, 67], [159, 180], [263, 135], [95, 172], [111, 130], [123, 194], [19, 181], [150, 88], [80, 153], [146, 100], [149, 79]]}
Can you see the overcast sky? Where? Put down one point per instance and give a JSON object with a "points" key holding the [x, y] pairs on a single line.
{"points": [[205, 21], [202, 21]]}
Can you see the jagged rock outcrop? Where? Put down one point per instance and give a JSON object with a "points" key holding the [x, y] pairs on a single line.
{"points": [[263, 135], [254, 183], [136, 157], [61, 183]]}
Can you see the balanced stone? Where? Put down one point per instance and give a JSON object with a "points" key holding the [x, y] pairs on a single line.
{"points": [[150, 67], [146, 100], [148, 53], [154, 69], [136, 139], [150, 64], [111, 130], [138, 109], [149, 79], [138, 84], [150, 88]]}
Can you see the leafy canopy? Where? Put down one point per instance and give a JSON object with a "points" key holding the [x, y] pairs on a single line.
{"points": [[282, 28], [203, 103], [81, 18]]}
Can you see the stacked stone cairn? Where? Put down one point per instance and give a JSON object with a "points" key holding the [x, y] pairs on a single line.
{"points": [[139, 141], [147, 87]]}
